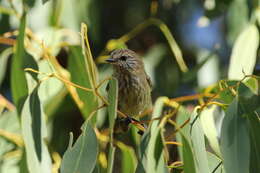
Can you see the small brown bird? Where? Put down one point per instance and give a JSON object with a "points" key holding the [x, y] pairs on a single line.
{"points": [[134, 85]]}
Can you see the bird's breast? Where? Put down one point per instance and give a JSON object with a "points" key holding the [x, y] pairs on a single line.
{"points": [[134, 95]]}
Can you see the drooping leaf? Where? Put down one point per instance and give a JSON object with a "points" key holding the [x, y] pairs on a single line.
{"points": [[112, 113], [19, 91], [198, 145], [244, 53], [152, 145], [254, 128], [112, 99], [182, 116], [188, 156], [82, 156], [21, 60], [209, 127], [129, 161], [34, 131], [248, 105], [234, 142], [80, 76]]}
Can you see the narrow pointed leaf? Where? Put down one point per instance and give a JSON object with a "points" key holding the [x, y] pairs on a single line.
{"points": [[244, 53], [112, 112], [82, 156], [19, 92], [234, 142], [34, 131], [198, 145], [80, 75]]}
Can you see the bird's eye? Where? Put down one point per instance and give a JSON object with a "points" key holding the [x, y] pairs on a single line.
{"points": [[123, 58]]}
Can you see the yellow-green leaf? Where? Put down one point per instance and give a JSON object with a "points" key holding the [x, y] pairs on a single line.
{"points": [[243, 57]]}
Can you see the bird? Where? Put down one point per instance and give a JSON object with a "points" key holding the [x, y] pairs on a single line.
{"points": [[134, 85]]}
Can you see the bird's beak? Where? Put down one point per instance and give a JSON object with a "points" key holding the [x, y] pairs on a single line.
{"points": [[111, 60]]}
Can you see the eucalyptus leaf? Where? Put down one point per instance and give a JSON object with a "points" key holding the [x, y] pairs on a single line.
{"points": [[254, 128], [215, 163], [244, 53], [112, 99], [80, 76], [188, 157], [198, 145], [152, 144], [234, 142], [182, 116], [34, 131], [82, 156], [209, 127], [19, 92], [112, 113], [129, 161]]}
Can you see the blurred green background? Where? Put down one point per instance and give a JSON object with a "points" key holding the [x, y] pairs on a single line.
{"points": [[206, 31]]}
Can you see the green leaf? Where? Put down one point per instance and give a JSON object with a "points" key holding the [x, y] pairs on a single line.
{"points": [[112, 100], [21, 60], [80, 76], [19, 92], [253, 84], [215, 164], [129, 161], [254, 129], [183, 115], [188, 157], [209, 127], [244, 53], [112, 112], [198, 145], [34, 131], [248, 101], [23, 167], [234, 142], [82, 156], [152, 145]]}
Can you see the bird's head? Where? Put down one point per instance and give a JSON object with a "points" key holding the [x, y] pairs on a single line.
{"points": [[125, 59]]}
